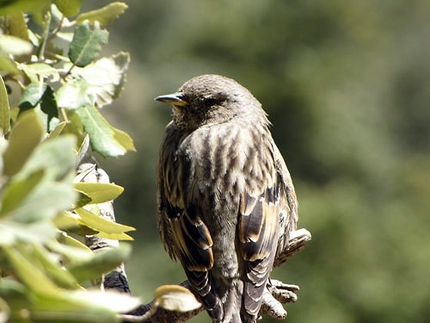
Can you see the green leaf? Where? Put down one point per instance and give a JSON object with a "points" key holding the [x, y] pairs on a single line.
{"points": [[7, 65], [102, 262], [29, 274], [105, 16], [36, 232], [60, 276], [40, 69], [101, 133], [8, 7], [57, 131], [69, 7], [100, 192], [70, 248], [85, 46], [24, 138], [18, 190], [17, 26], [105, 78], [100, 224], [14, 45], [56, 157], [14, 293], [32, 95], [124, 139], [72, 94], [4, 108]]}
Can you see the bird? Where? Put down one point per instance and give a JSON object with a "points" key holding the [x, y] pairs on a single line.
{"points": [[226, 203]]}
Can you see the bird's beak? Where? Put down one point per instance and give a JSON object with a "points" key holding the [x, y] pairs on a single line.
{"points": [[176, 99]]}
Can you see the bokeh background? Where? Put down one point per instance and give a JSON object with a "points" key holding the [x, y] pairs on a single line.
{"points": [[347, 88]]}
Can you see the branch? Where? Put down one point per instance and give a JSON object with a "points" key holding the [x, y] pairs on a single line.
{"points": [[276, 294]]}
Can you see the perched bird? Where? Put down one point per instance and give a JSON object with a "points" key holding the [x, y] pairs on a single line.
{"points": [[226, 201]]}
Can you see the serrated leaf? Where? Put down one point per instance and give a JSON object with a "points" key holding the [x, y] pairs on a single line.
{"points": [[100, 192], [73, 95], [24, 138], [69, 8], [101, 263], [175, 298], [4, 108], [105, 16], [85, 46], [101, 133], [17, 26], [100, 224], [105, 78], [14, 45]]}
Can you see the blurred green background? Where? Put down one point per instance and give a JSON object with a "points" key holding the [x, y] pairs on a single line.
{"points": [[347, 88]]}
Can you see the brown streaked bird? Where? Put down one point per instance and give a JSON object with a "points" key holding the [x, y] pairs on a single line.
{"points": [[226, 201]]}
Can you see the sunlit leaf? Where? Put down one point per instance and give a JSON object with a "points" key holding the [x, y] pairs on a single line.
{"points": [[69, 7], [100, 192], [59, 275], [105, 16], [40, 69], [57, 131], [24, 138], [8, 7], [175, 298], [17, 25], [32, 95], [101, 133], [73, 94], [105, 78], [115, 301], [18, 190], [4, 108], [56, 156], [85, 46], [101, 263], [98, 223], [7, 65], [14, 45], [29, 274]]}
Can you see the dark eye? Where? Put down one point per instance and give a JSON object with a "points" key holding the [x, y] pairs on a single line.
{"points": [[209, 102]]}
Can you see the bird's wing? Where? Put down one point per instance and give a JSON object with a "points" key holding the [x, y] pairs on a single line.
{"points": [[258, 231]]}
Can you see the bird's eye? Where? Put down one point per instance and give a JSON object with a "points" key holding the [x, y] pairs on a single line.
{"points": [[209, 102]]}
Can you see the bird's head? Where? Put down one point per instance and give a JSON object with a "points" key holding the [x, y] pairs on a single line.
{"points": [[211, 99]]}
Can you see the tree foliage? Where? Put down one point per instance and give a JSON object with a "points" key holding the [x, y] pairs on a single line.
{"points": [[53, 84]]}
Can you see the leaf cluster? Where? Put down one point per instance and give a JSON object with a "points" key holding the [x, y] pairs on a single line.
{"points": [[52, 87]]}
